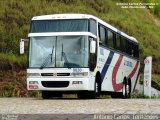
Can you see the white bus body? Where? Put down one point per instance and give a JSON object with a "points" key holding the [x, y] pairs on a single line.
{"points": [[61, 60]]}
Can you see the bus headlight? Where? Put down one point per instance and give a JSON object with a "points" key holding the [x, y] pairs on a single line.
{"points": [[80, 74], [32, 74], [85, 73]]}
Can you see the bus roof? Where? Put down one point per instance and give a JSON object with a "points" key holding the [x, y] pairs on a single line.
{"points": [[82, 16]]}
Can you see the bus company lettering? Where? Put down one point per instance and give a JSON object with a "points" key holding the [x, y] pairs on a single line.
{"points": [[101, 51], [127, 63]]}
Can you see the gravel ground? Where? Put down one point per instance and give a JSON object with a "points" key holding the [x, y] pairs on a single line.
{"points": [[77, 106]]}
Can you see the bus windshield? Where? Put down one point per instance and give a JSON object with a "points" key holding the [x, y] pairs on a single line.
{"points": [[59, 51]]}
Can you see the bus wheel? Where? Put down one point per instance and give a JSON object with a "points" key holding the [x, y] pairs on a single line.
{"points": [[91, 94], [96, 93], [46, 94], [126, 90], [98, 89]]}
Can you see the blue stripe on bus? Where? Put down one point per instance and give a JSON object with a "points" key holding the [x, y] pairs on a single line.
{"points": [[106, 66]]}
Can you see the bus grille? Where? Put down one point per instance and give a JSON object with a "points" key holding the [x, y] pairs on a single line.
{"points": [[55, 74], [56, 84]]}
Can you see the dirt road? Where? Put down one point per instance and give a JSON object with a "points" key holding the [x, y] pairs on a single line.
{"points": [[77, 106]]}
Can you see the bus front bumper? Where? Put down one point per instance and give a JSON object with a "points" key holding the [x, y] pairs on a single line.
{"points": [[58, 84]]}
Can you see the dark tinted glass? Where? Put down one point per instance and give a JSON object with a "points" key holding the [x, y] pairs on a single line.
{"points": [[93, 26], [102, 34], [118, 38], [110, 38], [123, 44], [75, 25]]}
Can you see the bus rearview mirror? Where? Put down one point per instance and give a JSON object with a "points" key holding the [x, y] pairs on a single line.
{"points": [[93, 46], [21, 45], [21, 48]]}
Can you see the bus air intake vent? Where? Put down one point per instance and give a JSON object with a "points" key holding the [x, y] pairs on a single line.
{"points": [[55, 84], [55, 74]]}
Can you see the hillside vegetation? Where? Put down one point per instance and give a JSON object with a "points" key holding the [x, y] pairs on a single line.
{"points": [[15, 19]]}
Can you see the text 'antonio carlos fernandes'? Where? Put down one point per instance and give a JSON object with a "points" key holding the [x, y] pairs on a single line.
{"points": [[126, 117]]}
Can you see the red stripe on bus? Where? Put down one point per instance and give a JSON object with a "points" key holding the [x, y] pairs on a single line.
{"points": [[116, 86], [133, 71], [119, 86]]}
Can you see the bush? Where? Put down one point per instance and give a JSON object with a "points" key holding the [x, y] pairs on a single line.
{"points": [[12, 62], [139, 95], [156, 81]]}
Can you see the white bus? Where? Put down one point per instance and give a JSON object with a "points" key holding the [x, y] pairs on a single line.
{"points": [[79, 53]]}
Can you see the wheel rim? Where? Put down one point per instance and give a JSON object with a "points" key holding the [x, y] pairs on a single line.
{"points": [[127, 89], [123, 90], [96, 87]]}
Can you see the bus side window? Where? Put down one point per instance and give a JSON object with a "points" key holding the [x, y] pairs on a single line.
{"points": [[93, 26], [123, 44], [118, 38], [132, 49], [110, 38], [136, 51], [102, 35], [128, 47]]}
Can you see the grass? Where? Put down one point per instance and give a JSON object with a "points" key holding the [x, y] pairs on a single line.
{"points": [[155, 81], [139, 95], [12, 62], [142, 96], [13, 84]]}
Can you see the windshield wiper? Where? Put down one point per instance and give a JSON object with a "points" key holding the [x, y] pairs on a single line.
{"points": [[68, 64], [52, 53], [63, 55], [46, 61]]}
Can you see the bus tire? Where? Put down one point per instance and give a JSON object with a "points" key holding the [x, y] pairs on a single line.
{"points": [[96, 93], [126, 90], [97, 87], [46, 94], [92, 94]]}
